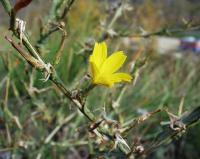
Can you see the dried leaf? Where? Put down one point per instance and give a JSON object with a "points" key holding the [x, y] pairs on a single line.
{"points": [[21, 4]]}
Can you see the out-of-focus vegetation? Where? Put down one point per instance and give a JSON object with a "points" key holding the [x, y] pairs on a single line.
{"points": [[38, 121]]}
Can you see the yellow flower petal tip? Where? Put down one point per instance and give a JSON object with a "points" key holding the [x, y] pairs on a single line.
{"points": [[103, 68]]}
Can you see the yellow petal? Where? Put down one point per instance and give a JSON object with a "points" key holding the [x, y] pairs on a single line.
{"points": [[110, 80], [94, 70], [99, 54], [119, 77], [113, 63], [103, 80]]}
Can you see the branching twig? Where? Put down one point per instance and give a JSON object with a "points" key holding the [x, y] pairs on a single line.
{"points": [[67, 9], [139, 120], [57, 19], [169, 133], [163, 32]]}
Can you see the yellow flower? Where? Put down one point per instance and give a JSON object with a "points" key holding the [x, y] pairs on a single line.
{"points": [[104, 68]]}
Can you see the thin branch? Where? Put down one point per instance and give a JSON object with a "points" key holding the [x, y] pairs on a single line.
{"points": [[7, 6], [67, 9], [168, 133], [61, 47], [58, 19], [164, 32]]}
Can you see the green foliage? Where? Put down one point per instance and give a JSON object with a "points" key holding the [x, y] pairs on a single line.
{"points": [[36, 119]]}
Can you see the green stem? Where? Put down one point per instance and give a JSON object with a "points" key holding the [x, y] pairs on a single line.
{"points": [[7, 6]]}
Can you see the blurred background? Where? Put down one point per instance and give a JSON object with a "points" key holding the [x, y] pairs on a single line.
{"points": [[163, 34]]}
